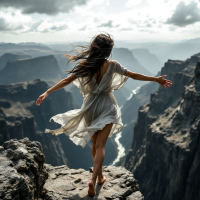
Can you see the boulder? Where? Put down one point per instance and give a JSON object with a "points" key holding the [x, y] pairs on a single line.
{"points": [[22, 170]]}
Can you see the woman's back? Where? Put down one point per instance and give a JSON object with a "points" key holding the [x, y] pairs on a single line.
{"points": [[104, 68]]}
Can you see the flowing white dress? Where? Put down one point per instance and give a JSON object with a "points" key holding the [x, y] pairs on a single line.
{"points": [[99, 107]]}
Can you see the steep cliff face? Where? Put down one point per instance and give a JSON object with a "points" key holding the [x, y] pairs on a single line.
{"points": [[166, 147], [20, 117], [45, 67]]}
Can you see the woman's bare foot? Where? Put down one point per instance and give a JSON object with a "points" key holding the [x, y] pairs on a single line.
{"points": [[101, 179], [91, 190]]}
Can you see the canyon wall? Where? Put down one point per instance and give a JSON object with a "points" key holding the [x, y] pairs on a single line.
{"points": [[165, 152]]}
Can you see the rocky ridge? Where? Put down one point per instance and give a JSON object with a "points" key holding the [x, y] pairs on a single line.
{"points": [[24, 176], [166, 147]]}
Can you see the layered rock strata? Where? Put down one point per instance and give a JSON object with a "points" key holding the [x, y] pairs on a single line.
{"points": [[165, 154]]}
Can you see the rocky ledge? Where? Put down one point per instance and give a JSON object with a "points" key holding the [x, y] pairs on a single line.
{"points": [[23, 175]]}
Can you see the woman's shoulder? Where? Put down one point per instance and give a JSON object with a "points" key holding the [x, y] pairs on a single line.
{"points": [[118, 67], [114, 62]]}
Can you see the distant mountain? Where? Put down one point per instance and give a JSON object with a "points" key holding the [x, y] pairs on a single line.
{"points": [[148, 60], [192, 41], [157, 48], [165, 151], [65, 46], [165, 50], [60, 47], [45, 67], [11, 57], [31, 44], [13, 48], [183, 50], [124, 56], [126, 59]]}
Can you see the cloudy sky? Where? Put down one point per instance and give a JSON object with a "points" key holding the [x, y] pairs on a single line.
{"points": [[78, 20]]}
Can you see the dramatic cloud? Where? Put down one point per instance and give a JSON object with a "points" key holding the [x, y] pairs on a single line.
{"points": [[4, 26], [185, 14], [138, 3], [108, 24], [10, 21], [46, 25], [65, 20], [50, 7]]}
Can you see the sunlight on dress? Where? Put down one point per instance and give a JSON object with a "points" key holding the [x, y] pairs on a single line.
{"points": [[99, 107]]}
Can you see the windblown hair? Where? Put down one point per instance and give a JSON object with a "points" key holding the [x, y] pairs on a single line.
{"points": [[91, 57]]}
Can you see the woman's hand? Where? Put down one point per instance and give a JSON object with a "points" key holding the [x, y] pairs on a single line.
{"points": [[163, 82], [41, 98]]}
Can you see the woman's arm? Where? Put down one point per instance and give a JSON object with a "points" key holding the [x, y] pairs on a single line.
{"points": [[142, 77], [58, 86], [62, 84]]}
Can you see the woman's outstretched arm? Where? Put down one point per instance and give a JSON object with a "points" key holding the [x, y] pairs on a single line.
{"points": [[142, 77], [58, 86]]}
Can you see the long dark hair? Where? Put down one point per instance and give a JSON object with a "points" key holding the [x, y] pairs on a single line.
{"points": [[91, 57]]}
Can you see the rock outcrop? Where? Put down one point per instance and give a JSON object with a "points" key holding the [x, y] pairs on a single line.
{"points": [[24, 176], [166, 146], [65, 183], [22, 171]]}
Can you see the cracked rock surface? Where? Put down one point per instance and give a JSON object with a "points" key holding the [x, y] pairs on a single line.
{"points": [[24, 176], [65, 183], [22, 173]]}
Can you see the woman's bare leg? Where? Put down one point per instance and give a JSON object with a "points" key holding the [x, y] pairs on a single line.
{"points": [[99, 156], [94, 138]]}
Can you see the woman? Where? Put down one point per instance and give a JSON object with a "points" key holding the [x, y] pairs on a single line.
{"points": [[100, 116]]}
